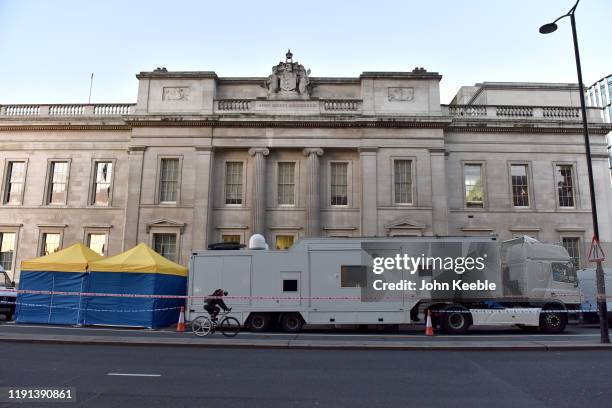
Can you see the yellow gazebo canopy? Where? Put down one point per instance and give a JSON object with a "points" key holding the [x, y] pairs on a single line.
{"points": [[140, 259], [75, 258]]}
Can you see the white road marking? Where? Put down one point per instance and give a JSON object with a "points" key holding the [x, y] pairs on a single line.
{"points": [[134, 375]]}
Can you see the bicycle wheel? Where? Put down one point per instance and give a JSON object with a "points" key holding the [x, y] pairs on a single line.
{"points": [[229, 327], [201, 326]]}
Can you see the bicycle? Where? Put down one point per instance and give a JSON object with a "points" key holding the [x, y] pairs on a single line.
{"points": [[203, 325]]}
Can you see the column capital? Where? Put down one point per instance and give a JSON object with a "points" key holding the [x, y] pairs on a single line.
{"points": [[259, 150], [313, 150]]}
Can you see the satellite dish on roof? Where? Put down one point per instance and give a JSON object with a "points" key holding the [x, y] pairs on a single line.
{"points": [[257, 241]]}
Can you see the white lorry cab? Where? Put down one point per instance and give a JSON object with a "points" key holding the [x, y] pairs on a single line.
{"points": [[462, 281]]}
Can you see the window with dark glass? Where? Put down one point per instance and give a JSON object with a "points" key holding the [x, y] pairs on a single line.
{"points": [[97, 243], [165, 245], [520, 185], [286, 183], [290, 285], [58, 183], [233, 183], [565, 185], [168, 180], [353, 276], [50, 243], [474, 193], [102, 184], [402, 174], [572, 245], [339, 184], [15, 181], [7, 250]]}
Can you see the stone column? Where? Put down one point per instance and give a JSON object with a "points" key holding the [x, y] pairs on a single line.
{"points": [[258, 205], [313, 192], [369, 191], [202, 196], [439, 202], [132, 202]]}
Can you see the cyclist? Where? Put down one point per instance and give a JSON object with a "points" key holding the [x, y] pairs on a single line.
{"points": [[214, 305]]}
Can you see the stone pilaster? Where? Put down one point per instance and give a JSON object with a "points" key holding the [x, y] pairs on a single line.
{"points": [[132, 205], [369, 191], [313, 192], [203, 196], [258, 204], [439, 202]]}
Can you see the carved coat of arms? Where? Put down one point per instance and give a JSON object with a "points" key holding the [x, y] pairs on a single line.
{"points": [[289, 80]]}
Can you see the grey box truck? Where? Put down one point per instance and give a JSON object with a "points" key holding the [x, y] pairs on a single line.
{"points": [[338, 281]]}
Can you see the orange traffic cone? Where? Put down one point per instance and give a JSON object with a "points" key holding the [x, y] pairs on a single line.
{"points": [[428, 326], [180, 327]]}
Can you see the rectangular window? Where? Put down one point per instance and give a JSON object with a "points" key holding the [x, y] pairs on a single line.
{"points": [[565, 185], [50, 243], [231, 238], [15, 181], [168, 180], [290, 285], [165, 245], [402, 171], [102, 183], [520, 185], [572, 245], [233, 183], [286, 183], [474, 192], [284, 241], [97, 243], [339, 183], [7, 250], [58, 183], [352, 276]]}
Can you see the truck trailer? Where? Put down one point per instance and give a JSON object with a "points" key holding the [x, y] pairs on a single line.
{"points": [[390, 281]]}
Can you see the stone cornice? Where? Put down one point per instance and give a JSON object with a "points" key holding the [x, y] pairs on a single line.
{"points": [[485, 128]]}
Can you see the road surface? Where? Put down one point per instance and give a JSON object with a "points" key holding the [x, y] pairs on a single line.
{"points": [[202, 377]]}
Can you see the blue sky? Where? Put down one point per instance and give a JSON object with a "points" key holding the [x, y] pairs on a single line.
{"points": [[49, 48]]}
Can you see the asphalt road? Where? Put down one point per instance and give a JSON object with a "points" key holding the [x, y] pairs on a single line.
{"points": [[189, 377]]}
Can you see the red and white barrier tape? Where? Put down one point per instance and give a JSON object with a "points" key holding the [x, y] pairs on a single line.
{"points": [[230, 297]]}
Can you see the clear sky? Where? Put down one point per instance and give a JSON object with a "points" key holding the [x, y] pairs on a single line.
{"points": [[49, 48]]}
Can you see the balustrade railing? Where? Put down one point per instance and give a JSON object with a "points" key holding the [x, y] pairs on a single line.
{"points": [[63, 110]]}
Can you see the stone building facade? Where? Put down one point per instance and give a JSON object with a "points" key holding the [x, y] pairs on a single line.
{"points": [[201, 159]]}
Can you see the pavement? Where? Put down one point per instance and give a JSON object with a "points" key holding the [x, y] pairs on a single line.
{"points": [[115, 376], [576, 337]]}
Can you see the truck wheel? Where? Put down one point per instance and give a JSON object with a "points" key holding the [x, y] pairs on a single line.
{"points": [[291, 322], [259, 322], [454, 319], [551, 322]]}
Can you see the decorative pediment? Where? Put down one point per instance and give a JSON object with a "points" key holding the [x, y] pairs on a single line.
{"points": [[405, 224], [164, 223]]}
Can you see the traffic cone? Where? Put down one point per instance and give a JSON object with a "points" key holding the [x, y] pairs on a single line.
{"points": [[428, 326], [180, 327]]}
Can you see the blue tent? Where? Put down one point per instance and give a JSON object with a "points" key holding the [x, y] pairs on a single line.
{"points": [[138, 271], [62, 271]]}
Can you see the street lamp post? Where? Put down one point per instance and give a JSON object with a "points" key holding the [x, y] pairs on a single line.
{"points": [[601, 286]]}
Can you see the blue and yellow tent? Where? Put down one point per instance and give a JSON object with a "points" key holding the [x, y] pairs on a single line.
{"points": [[138, 271], [62, 271]]}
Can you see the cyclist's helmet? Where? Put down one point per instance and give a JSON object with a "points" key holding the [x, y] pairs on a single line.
{"points": [[225, 293]]}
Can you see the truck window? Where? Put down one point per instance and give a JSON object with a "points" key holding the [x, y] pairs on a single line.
{"points": [[352, 276], [290, 285], [564, 272]]}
